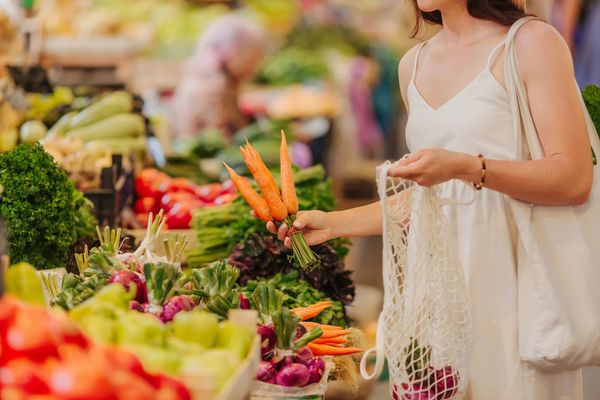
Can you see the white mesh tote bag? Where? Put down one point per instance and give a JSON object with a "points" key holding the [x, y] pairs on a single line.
{"points": [[558, 255], [424, 330]]}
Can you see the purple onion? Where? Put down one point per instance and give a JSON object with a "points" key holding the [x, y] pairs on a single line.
{"points": [[419, 393], [446, 383], [302, 355], [174, 305], [300, 331], [266, 371], [128, 279], [244, 302], [293, 375], [316, 369], [136, 306], [267, 341]]}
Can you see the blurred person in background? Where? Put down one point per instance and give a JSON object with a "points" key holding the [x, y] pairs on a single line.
{"points": [[228, 53], [461, 136], [587, 50]]}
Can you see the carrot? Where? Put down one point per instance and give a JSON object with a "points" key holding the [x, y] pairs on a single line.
{"points": [[310, 312], [257, 203], [310, 325], [331, 341], [325, 350], [288, 190], [266, 183], [334, 334]]}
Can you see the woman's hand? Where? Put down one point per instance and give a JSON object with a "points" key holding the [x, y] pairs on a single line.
{"points": [[315, 225], [432, 166]]}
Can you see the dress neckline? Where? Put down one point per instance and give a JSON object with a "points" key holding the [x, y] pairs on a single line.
{"points": [[485, 71]]}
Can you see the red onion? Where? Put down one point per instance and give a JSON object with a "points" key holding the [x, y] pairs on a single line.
{"points": [[316, 369], [293, 375], [446, 383], [174, 305], [265, 371], [267, 341], [302, 355]]}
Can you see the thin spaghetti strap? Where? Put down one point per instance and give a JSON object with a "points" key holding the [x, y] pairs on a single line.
{"points": [[416, 63], [490, 59]]}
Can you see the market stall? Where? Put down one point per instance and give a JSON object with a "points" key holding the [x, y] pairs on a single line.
{"points": [[140, 264]]}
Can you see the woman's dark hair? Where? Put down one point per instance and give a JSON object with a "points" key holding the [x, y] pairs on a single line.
{"points": [[504, 12]]}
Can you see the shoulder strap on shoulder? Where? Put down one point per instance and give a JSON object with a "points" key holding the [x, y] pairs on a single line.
{"points": [[512, 32], [416, 62]]}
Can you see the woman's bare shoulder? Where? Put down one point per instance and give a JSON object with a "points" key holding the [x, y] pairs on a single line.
{"points": [[540, 47], [406, 66]]}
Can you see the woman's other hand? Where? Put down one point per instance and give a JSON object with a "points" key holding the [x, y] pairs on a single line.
{"points": [[315, 225], [432, 166]]}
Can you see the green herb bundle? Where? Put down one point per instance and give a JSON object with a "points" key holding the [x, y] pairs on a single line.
{"points": [[44, 212]]}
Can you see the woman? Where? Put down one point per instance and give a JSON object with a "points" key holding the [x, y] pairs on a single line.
{"points": [[453, 87], [227, 54]]}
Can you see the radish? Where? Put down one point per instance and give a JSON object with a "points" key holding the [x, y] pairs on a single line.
{"points": [[128, 279], [174, 305]]}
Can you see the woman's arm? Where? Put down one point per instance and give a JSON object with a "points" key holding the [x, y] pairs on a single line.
{"points": [[319, 226], [564, 176]]}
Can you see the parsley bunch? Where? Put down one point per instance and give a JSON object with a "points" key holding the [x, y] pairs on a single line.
{"points": [[40, 205]]}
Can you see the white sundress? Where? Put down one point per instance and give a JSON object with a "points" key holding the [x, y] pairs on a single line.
{"points": [[478, 120]]}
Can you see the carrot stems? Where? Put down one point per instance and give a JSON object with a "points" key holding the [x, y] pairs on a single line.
{"points": [[303, 255]]}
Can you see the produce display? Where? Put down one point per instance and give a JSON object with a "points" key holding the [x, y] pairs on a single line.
{"points": [[178, 197], [44, 212], [45, 355]]}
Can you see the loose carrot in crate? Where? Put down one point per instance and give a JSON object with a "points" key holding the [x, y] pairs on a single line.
{"points": [[257, 203], [288, 190], [325, 350]]}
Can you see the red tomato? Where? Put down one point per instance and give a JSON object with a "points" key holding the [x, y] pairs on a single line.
{"points": [[171, 388], [169, 200], [228, 187], [82, 376], [209, 192], [145, 205], [25, 375], [33, 334], [148, 182], [179, 217], [123, 359], [131, 387], [225, 198], [181, 185]]}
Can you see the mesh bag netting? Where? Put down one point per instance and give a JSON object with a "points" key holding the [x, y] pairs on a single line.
{"points": [[424, 330]]}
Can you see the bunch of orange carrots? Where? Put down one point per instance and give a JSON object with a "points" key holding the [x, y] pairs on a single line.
{"points": [[333, 342], [273, 205]]}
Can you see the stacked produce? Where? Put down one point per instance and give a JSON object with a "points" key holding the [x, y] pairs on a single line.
{"points": [[292, 352], [45, 355], [44, 212], [193, 343], [178, 197], [108, 120]]}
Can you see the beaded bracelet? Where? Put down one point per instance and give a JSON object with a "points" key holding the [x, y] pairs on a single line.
{"points": [[481, 184]]}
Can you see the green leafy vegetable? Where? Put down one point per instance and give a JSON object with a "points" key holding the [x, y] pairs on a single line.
{"points": [[591, 96], [44, 213], [299, 293]]}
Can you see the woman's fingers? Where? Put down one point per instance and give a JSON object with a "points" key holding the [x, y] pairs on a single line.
{"points": [[287, 242], [271, 227], [282, 232]]}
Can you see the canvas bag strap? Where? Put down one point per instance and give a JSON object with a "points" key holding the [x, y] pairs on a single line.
{"points": [[523, 124], [379, 350]]}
